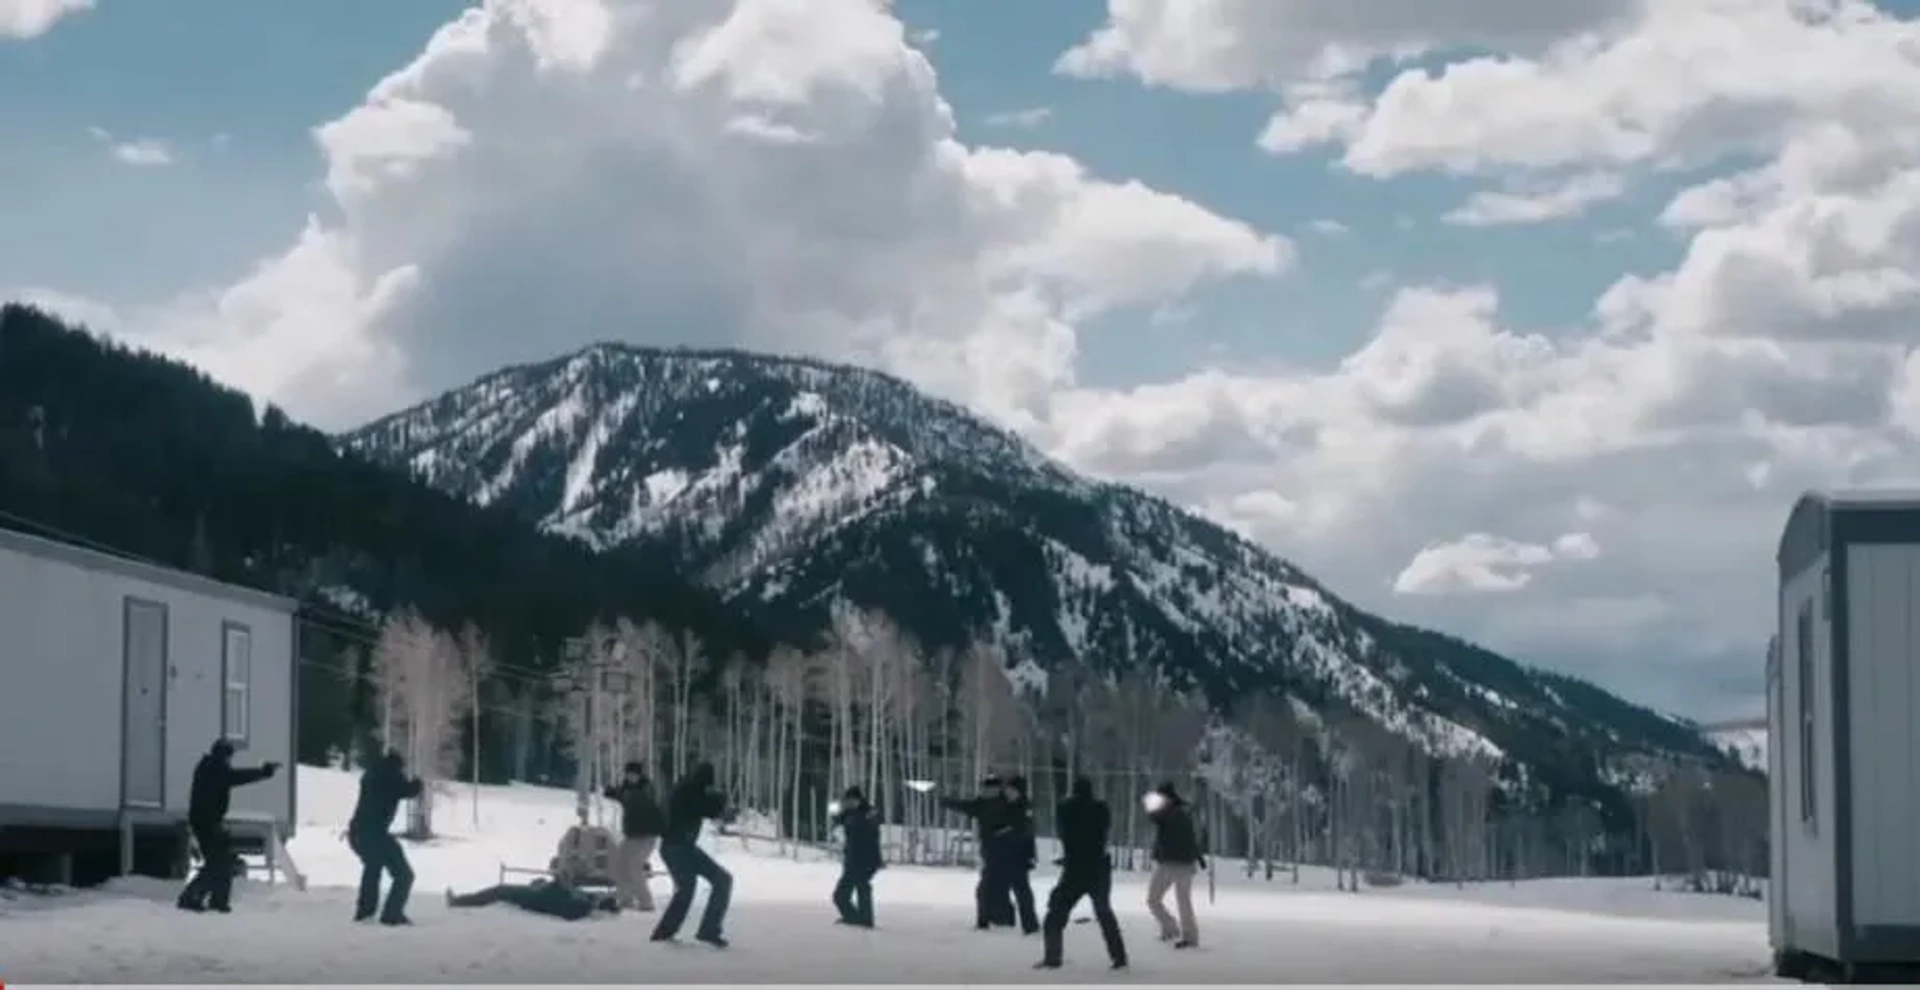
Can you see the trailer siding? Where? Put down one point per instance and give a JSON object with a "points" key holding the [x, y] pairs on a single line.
{"points": [[64, 641], [1883, 647]]}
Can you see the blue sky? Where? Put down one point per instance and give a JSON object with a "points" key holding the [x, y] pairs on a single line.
{"points": [[1427, 414]]}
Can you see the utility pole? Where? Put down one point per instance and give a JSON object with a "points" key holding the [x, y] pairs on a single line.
{"points": [[613, 680], [588, 676]]}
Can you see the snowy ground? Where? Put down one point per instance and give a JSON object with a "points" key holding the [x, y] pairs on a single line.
{"points": [[1558, 931]]}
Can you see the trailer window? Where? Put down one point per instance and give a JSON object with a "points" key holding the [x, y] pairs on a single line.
{"points": [[236, 679], [1804, 680]]}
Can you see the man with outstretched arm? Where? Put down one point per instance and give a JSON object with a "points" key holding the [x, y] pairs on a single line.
{"points": [[989, 811], [859, 858], [1086, 870], [211, 797], [370, 836], [641, 822], [694, 800]]}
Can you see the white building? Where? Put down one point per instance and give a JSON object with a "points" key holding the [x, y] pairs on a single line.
{"points": [[1844, 746], [115, 677]]}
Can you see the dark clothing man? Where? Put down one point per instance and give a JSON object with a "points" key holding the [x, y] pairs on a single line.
{"points": [[1016, 853], [369, 835], [859, 858], [555, 900], [208, 802], [1084, 822], [693, 802], [641, 822], [990, 812]]}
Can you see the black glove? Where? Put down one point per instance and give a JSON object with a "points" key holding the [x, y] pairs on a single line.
{"points": [[270, 767]]}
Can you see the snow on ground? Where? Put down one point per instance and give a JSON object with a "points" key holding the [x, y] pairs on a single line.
{"points": [[1555, 931]]}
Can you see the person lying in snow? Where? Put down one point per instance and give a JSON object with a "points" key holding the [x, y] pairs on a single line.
{"points": [[548, 897]]}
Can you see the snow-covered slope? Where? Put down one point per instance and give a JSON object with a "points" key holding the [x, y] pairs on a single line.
{"points": [[794, 484], [1745, 739]]}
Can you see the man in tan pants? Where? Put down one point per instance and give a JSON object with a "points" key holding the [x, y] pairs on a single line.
{"points": [[641, 822], [1179, 878], [1177, 857]]}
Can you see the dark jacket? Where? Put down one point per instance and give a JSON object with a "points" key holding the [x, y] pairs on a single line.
{"points": [[989, 813], [214, 779], [382, 788], [1018, 846], [1084, 823], [694, 800], [860, 825], [1175, 840], [553, 900], [640, 814]]}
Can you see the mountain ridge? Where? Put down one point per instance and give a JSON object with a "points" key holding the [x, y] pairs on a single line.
{"points": [[790, 483]]}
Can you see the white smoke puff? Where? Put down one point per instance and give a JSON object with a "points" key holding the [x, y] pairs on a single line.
{"points": [[1153, 801]]}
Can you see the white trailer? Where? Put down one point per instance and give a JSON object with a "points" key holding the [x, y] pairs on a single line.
{"points": [[116, 676], [1844, 749]]}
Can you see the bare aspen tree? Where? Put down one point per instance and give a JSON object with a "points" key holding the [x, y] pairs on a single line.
{"points": [[474, 661], [423, 691], [991, 709], [686, 661], [644, 650]]}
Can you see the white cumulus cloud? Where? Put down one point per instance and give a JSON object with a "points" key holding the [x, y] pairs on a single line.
{"points": [[23, 19], [1676, 423], [760, 173], [1482, 562], [138, 152]]}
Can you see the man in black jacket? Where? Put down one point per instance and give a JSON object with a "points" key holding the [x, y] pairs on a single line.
{"points": [[641, 822], [989, 810], [1086, 870], [548, 897], [382, 788], [214, 779], [1017, 851], [1177, 858], [859, 858], [694, 801]]}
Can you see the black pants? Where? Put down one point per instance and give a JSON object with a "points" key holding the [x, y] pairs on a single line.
{"points": [[212, 886], [1020, 883], [1000, 882], [688, 864], [548, 899], [380, 853], [1095, 884], [853, 895]]}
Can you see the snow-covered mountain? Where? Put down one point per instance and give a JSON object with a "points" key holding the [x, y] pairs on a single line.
{"points": [[791, 484], [1746, 739]]}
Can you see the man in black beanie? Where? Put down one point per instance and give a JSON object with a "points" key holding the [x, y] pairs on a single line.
{"points": [[859, 858], [1016, 850], [208, 800]]}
